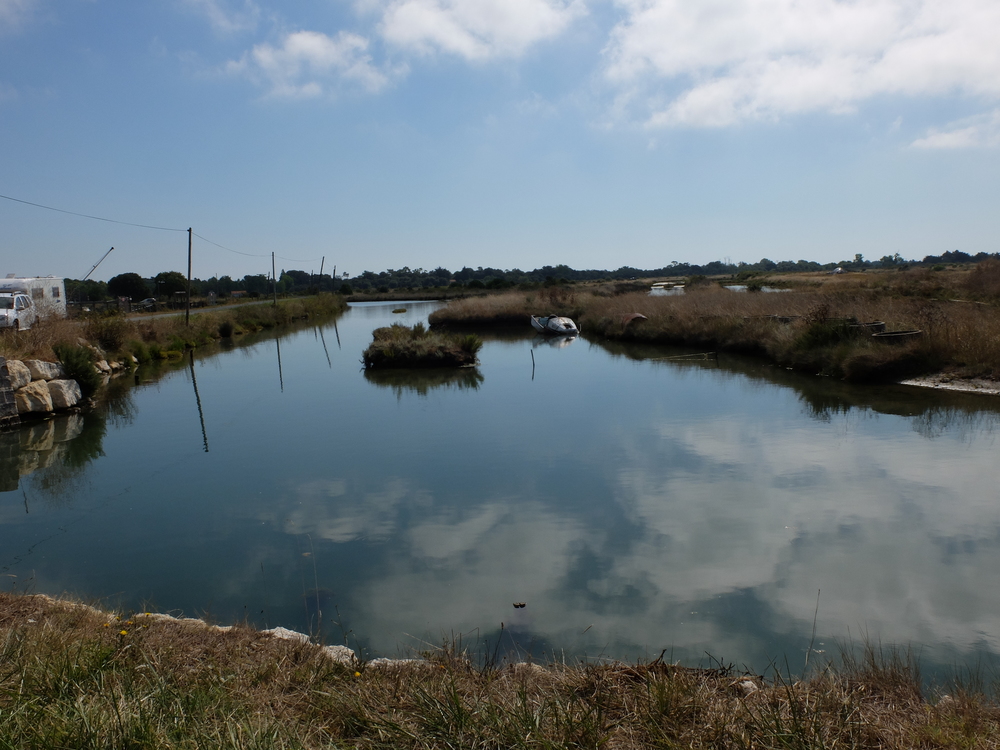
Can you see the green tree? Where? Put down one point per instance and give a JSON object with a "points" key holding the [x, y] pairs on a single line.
{"points": [[130, 285], [170, 282]]}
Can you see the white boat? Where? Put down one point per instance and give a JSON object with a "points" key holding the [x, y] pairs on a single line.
{"points": [[555, 325]]}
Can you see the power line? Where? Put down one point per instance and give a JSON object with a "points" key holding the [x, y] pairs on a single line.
{"points": [[89, 216], [150, 226], [249, 255], [253, 255]]}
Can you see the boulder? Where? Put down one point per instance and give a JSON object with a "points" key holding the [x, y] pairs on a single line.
{"points": [[42, 370], [65, 393], [34, 397], [103, 366], [20, 375]]}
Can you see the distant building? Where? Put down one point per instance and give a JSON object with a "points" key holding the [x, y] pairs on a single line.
{"points": [[47, 292]]}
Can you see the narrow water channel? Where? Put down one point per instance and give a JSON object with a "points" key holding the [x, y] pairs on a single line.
{"points": [[635, 499]]}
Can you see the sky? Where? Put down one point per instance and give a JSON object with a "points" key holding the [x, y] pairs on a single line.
{"points": [[373, 134]]}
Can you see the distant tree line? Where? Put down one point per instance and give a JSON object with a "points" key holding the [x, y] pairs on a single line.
{"points": [[170, 284]]}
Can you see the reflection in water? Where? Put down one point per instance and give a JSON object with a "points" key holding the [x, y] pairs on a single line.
{"points": [[556, 342], [55, 450], [197, 398], [421, 381], [634, 498]]}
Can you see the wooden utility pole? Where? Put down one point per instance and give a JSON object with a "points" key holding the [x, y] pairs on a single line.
{"points": [[274, 280], [187, 314]]}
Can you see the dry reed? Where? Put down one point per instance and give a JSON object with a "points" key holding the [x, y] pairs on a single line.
{"points": [[74, 676]]}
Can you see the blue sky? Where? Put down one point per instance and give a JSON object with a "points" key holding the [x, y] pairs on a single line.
{"points": [[507, 133]]}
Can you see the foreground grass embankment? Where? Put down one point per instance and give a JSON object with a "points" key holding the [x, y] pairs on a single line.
{"points": [[75, 677], [153, 338], [811, 327]]}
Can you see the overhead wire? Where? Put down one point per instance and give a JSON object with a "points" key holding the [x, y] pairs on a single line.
{"points": [[150, 226], [90, 216]]}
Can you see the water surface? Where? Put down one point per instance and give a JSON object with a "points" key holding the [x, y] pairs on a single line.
{"points": [[634, 498]]}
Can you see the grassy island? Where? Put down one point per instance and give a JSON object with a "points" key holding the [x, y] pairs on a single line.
{"points": [[77, 677], [944, 320], [399, 346]]}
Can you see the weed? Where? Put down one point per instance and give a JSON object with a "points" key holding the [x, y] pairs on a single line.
{"points": [[78, 363]]}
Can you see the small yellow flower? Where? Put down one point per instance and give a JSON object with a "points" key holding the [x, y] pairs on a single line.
{"points": [[123, 632], [107, 624], [357, 674]]}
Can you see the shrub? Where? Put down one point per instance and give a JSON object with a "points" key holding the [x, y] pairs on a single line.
{"points": [[470, 344], [345, 289], [78, 362], [110, 332], [139, 350], [226, 329]]}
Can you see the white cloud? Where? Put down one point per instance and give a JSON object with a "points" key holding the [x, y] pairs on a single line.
{"points": [[476, 29], [225, 19], [719, 63], [310, 64], [13, 13], [971, 132]]}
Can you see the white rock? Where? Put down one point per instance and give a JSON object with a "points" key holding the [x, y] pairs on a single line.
{"points": [[339, 654], [65, 393], [287, 635], [34, 397], [42, 370], [20, 375], [103, 366]]}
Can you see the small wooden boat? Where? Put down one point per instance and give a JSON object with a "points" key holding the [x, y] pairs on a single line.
{"points": [[555, 325]]}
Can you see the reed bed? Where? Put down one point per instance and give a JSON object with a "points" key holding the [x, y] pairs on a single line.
{"points": [[399, 346], [75, 676], [159, 337], [807, 328]]}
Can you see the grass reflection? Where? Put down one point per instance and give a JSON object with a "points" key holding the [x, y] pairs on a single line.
{"points": [[423, 381]]}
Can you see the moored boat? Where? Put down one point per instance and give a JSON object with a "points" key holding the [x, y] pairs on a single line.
{"points": [[554, 325]]}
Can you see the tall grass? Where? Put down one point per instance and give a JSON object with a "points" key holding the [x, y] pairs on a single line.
{"points": [[73, 676], [399, 346], [805, 328]]}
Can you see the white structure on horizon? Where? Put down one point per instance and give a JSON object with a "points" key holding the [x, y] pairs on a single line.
{"points": [[47, 292]]}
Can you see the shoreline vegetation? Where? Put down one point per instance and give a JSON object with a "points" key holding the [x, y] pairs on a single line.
{"points": [[78, 676], [398, 346], [80, 343], [946, 321]]}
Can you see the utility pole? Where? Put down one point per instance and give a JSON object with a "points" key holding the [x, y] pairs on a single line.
{"points": [[187, 313], [321, 264], [274, 280]]}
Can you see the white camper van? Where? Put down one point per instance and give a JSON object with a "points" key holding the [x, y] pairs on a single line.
{"points": [[47, 293]]}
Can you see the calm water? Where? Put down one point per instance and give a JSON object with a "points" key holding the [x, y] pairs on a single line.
{"points": [[633, 500]]}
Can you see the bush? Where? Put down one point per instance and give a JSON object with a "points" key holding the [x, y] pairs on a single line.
{"points": [[78, 362], [110, 332], [226, 329], [345, 289]]}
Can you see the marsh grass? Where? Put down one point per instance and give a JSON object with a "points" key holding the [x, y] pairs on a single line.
{"points": [[74, 676], [153, 337], [399, 346], [807, 328]]}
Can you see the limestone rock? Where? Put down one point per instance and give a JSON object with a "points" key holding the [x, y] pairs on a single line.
{"points": [[34, 397], [20, 375], [103, 366], [65, 393], [42, 370]]}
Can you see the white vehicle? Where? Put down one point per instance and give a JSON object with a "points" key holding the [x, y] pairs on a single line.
{"points": [[17, 311], [47, 293]]}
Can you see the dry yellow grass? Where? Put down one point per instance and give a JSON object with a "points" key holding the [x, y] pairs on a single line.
{"points": [[74, 676]]}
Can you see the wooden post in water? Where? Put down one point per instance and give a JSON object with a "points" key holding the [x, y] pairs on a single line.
{"points": [[187, 314]]}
